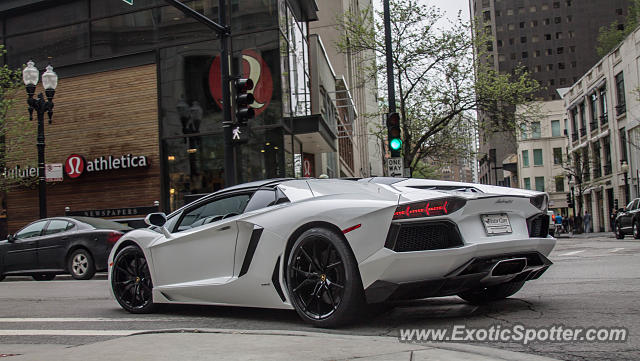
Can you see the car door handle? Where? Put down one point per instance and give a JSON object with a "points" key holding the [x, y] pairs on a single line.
{"points": [[224, 228]]}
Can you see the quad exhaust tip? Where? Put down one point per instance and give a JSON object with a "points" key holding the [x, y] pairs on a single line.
{"points": [[508, 267]]}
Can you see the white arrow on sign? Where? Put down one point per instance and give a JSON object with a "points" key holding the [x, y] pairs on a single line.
{"points": [[130, 2]]}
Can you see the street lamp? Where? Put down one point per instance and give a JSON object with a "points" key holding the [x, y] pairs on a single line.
{"points": [[624, 167], [30, 76]]}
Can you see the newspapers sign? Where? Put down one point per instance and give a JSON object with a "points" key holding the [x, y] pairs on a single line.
{"points": [[395, 167]]}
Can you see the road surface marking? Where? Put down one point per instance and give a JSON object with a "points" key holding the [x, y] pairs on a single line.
{"points": [[69, 332], [570, 253], [616, 250], [85, 319]]}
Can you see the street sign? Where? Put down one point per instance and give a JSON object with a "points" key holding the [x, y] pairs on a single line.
{"points": [[130, 2], [395, 167], [53, 172]]}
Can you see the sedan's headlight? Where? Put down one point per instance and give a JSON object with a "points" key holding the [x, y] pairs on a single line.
{"points": [[541, 202]]}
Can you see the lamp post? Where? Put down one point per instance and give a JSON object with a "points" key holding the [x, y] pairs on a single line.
{"points": [[30, 76], [624, 167]]}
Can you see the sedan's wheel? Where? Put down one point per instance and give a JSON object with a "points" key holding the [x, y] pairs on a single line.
{"points": [[636, 230], [323, 279], [44, 276], [493, 293], [131, 281], [1, 278], [619, 233], [81, 265]]}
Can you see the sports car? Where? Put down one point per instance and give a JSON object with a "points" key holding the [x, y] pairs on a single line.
{"points": [[328, 247]]}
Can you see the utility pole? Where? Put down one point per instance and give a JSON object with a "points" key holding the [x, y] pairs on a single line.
{"points": [[224, 32]]}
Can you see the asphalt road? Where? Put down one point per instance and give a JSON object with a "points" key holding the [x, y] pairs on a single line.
{"points": [[594, 282]]}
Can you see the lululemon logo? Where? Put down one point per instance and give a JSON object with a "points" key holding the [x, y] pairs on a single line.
{"points": [[253, 67], [74, 165]]}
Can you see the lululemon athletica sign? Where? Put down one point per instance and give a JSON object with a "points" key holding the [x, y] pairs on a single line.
{"points": [[76, 165]]}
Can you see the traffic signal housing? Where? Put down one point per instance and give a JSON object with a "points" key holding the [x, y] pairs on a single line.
{"points": [[615, 204], [243, 101], [393, 134], [569, 201]]}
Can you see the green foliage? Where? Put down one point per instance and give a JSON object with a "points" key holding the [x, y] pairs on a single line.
{"points": [[16, 131], [440, 81], [609, 37]]}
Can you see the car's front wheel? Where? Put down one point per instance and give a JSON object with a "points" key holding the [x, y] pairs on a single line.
{"points": [[81, 264], [492, 293], [131, 281], [323, 279], [44, 276], [619, 233]]}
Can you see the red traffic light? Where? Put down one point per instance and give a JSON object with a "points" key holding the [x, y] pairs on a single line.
{"points": [[244, 85], [393, 120]]}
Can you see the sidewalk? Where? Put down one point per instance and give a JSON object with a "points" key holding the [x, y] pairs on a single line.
{"points": [[217, 344], [586, 235]]}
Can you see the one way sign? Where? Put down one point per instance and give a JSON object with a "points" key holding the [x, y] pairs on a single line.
{"points": [[395, 167]]}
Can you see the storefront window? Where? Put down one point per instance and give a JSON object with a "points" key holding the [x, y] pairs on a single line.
{"points": [[55, 16], [58, 46], [253, 15], [262, 156], [103, 8]]}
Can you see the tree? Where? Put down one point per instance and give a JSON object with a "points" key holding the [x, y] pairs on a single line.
{"points": [[577, 167], [439, 79], [609, 37], [16, 131]]}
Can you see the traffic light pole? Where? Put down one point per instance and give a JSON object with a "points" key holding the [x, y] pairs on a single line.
{"points": [[225, 35], [389, 53]]}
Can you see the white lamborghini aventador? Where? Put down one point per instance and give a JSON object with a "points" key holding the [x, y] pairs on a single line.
{"points": [[326, 247]]}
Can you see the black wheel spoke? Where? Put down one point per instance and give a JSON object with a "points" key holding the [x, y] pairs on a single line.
{"points": [[119, 268], [333, 265], [327, 290], [311, 261], [302, 284], [336, 285], [305, 273]]}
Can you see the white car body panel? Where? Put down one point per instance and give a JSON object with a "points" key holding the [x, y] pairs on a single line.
{"points": [[203, 265]]}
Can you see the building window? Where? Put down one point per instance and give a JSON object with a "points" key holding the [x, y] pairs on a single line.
{"points": [[618, 11], [556, 4], [527, 183], [572, 48], [511, 27], [597, 162], [560, 50], [606, 146], [623, 145], [509, 11], [574, 124], [511, 41], [537, 157], [523, 39], [583, 124], [559, 184], [547, 36], [621, 106], [561, 66], [557, 19], [525, 55], [545, 7], [525, 159], [486, 15], [604, 118], [522, 25], [538, 53], [534, 23], [569, 18], [555, 128], [557, 156], [549, 67], [535, 130], [540, 184]]}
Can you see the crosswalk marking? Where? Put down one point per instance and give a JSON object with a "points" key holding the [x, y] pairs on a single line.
{"points": [[85, 319], [70, 332], [616, 250]]}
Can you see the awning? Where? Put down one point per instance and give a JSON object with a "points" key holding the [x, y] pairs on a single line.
{"points": [[314, 133]]}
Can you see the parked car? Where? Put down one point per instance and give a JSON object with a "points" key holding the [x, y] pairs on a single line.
{"points": [[47, 247], [327, 247], [628, 220]]}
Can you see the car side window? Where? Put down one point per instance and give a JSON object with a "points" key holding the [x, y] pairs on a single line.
{"points": [[32, 230], [57, 226], [635, 205], [262, 198], [213, 211]]}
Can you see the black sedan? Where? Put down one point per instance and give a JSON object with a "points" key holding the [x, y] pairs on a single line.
{"points": [[628, 220], [47, 247]]}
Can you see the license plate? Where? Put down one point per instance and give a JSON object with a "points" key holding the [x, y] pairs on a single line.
{"points": [[496, 223]]}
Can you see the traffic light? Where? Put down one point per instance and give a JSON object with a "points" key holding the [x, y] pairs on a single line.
{"points": [[244, 112], [615, 204], [569, 201], [393, 134]]}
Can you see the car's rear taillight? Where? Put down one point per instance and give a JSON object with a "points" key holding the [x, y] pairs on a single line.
{"points": [[430, 208], [113, 237]]}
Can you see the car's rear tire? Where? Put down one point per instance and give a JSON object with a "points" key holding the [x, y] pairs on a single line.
{"points": [[81, 264], [131, 281], [619, 232], [1, 278], [492, 293], [636, 229], [44, 276], [323, 280]]}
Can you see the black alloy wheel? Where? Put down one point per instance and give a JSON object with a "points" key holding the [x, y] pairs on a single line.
{"points": [[323, 280], [131, 281], [1, 278], [44, 276]]}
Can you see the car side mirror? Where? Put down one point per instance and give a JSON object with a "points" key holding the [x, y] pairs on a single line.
{"points": [[156, 219], [11, 238]]}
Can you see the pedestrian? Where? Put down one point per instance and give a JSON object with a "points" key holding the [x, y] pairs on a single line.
{"points": [[587, 222], [559, 223], [612, 219], [571, 223]]}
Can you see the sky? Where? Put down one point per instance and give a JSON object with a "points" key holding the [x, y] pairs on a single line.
{"points": [[451, 7]]}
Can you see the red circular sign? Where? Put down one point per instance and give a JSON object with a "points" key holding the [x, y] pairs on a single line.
{"points": [[74, 165], [254, 68]]}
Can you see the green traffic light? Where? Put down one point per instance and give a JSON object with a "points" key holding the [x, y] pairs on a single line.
{"points": [[395, 143]]}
